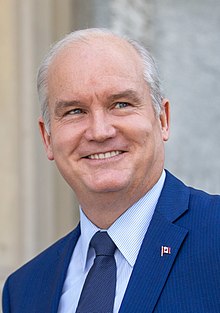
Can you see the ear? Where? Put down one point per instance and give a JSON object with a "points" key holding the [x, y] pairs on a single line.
{"points": [[165, 119], [46, 139]]}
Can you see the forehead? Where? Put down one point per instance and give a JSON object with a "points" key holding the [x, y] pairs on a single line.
{"points": [[104, 63]]}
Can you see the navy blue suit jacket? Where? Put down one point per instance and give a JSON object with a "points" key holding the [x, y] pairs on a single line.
{"points": [[185, 281]]}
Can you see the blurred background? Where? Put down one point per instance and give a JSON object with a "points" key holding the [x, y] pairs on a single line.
{"points": [[36, 205]]}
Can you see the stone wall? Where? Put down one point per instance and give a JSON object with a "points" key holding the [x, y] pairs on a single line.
{"points": [[187, 47], [184, 39]]}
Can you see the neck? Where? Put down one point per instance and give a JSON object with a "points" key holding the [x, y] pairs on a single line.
{"points": [[103, 209]]}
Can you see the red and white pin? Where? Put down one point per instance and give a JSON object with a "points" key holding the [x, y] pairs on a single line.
{"points": [[165, 250]]}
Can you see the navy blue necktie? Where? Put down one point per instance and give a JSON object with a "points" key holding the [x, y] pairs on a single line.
{"points": [[98, 292]]}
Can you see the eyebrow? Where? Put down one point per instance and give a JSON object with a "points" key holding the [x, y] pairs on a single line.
{"points": [[129, 94], [62, 105]]}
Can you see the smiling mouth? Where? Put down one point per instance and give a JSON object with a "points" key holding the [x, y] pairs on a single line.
{"points": [[106, 155]]}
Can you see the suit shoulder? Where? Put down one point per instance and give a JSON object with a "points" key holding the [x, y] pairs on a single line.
{"points": [[205, 200], [187, 204], [49, 255], [204, 208]]}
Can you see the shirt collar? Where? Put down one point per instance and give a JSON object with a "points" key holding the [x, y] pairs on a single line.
{"points": [[88, 230], [129, 229]]}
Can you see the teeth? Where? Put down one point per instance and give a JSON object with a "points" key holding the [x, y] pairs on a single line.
{"points": [[99, 156]]}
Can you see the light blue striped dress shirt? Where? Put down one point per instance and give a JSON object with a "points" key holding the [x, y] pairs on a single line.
{"points": [[127, 232]]}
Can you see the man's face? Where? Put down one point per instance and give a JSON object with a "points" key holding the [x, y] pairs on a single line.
{"points": [[104, 134]]}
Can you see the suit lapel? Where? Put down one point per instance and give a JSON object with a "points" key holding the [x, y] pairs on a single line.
{"points": [[151, 270], [55, 274]]}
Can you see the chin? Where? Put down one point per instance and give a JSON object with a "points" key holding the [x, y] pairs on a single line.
{"points": [[107, 186]]}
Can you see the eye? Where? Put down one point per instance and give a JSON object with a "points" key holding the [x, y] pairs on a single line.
{"points": [[74, 111], [121, 105]]}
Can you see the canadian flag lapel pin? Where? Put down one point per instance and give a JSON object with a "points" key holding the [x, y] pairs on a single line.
{"points": [[165, 250]]}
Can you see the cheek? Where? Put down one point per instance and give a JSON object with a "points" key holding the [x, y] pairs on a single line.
{"points": [[148, 137], [63, 141], [141, 133]]}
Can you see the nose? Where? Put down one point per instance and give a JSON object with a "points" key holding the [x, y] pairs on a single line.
{"points": [[100, 127]]}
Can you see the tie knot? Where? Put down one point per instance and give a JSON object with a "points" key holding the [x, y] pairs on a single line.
{"points": [[103, 244]]}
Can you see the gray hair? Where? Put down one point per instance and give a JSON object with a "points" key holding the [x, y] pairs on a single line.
{"points": [[150, 72]]}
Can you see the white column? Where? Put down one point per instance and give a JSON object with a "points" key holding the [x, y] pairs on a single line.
{"points": [[37, 206], [9, 182]]}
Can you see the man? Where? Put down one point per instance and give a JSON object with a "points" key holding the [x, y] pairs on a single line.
{"points": [[104, 122]]}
